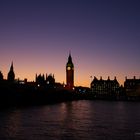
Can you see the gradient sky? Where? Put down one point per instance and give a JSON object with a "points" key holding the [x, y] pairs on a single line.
{"points": [[102, 35]]}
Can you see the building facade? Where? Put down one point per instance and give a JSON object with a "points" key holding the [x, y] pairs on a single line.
{"points": [[103, 88], [132, 87]]}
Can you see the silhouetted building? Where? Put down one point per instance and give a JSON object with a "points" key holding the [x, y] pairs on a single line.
{"points": [[41, 80], [1, 76], [50, 79], [132, 87], [69, 73], [11, 74], [105, 87]]}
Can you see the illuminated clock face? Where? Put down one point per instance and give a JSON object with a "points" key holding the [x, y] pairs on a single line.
{"points": [[68, 68]]}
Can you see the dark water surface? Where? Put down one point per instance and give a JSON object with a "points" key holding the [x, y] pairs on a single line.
{"points": [[77, 120]]}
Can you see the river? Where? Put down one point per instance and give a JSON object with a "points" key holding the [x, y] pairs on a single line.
{"points": [[76, 120]]}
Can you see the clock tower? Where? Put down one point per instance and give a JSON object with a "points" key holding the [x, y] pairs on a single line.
{"points": [[69, 73]]}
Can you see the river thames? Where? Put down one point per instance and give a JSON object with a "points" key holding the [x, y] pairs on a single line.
{"points": [[76, 120]]}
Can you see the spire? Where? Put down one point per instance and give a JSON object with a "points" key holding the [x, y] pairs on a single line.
{"points": [[69, 58], [69, 52], [11, 74], [12, 68], [108, 78]]}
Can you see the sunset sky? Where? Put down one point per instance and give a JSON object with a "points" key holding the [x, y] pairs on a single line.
{"points": [[102, 35]]}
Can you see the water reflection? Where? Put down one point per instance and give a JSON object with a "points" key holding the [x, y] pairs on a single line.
{"points": [[10, 123], [85, 120]]}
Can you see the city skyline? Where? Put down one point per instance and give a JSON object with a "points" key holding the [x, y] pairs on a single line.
{"points": [[103, 38]]}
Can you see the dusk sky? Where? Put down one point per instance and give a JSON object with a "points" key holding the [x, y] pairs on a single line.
{"points": [[102, 35]]}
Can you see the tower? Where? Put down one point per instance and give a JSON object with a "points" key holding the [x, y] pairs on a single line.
{"points": [[1, 76], [11, 74], [70, 73]]}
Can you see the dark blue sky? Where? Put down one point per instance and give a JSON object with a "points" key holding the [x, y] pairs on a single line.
{"points": [[103, 36]]}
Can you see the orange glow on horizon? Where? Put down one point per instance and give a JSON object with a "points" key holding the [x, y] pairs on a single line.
{"points": [[83, 71], [61, 77]]}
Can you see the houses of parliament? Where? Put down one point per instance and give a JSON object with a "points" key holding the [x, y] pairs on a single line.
{"points": [[44, 80], [99, 88]]}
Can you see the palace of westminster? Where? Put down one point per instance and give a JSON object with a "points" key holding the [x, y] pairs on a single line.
{"points": [[98, 87]]}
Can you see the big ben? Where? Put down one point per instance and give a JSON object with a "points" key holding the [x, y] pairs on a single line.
{"points": [[70, 73]]}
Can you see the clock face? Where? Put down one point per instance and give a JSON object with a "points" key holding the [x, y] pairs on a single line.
{"points": [[68, 68]]}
